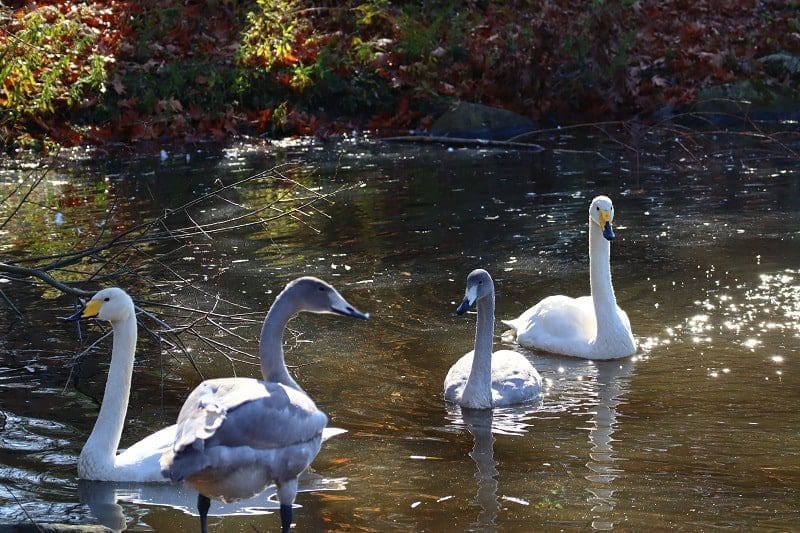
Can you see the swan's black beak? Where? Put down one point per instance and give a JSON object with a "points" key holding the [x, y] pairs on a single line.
{"points": [[608, 232], [350, 311], [464, 307], [75, 317]]}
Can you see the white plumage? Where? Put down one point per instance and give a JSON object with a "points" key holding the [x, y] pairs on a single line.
{"points": [[99, 459], [591, 327]]}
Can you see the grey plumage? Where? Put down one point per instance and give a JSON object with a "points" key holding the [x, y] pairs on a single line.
{"points": [[236, 436], [219, 417]]}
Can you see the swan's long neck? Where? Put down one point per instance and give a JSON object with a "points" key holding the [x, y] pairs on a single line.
{"points": [[101, 447], [605, 303], [478, 390], [270, 347]]}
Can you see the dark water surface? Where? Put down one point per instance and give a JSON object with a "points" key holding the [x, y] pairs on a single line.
{"points": [[699, 430]]}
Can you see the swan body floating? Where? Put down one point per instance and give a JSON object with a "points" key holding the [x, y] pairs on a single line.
{"points": [[481, 379], [99, 459], [236, 436], [591, 327]]}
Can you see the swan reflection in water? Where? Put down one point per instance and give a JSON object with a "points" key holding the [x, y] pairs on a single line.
{"points": [[599, 395], [102, 496], [613, 381], [483, 424]]}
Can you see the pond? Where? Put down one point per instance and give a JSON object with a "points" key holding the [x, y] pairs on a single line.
{"points": [[698, 430]]}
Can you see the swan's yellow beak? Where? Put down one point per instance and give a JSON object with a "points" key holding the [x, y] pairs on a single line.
{"points": [[605, 223], [92, 308]]}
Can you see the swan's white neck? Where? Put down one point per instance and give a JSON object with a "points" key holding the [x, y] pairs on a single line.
{"points": [[478, 390], [605, 303], [100, 449], [270, 346]]}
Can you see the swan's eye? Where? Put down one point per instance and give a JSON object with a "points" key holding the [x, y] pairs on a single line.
{"points": [[322, 289], [106, 299], [480, 282], [598, 208]]}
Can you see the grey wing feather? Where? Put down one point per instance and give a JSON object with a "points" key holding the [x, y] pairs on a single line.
{"points": [[234, 412], [270, 422]]}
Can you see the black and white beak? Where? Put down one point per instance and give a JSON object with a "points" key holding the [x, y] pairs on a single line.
{"points": [[469, 300], [340, 306], [605, 224]]}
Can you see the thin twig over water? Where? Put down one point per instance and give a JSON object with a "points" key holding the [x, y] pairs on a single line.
{"points": [[128, 257]]}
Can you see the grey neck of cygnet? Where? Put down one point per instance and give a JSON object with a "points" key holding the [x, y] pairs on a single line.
{"points": [[270, 348], [479, 384]]}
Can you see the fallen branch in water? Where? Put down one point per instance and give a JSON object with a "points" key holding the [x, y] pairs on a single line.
{"points": [[459, 141]]}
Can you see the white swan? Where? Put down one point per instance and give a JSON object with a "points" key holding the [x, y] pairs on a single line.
{"points": [[482, 379], [236, 436], [591, 327], [99, 459]]}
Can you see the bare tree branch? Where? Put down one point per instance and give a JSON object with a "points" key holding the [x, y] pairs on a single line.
{"points": [[127, 257], [14, 211], [27, 272], [10, 304]]}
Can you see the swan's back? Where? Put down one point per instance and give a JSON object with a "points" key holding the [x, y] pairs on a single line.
{"points": [[140, 462], [559, 316], [456, 378], [237, 435], [554, 320], [514, 379]]}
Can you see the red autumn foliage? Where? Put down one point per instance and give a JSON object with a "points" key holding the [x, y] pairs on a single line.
{"points": [[562, 59]]}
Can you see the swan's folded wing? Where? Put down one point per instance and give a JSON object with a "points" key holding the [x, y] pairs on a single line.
{"points": [[236, 412], [283, 418], [207, 406]]}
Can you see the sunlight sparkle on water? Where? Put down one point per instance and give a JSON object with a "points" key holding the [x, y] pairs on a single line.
{"points": [[751, 343], [699, 324]]}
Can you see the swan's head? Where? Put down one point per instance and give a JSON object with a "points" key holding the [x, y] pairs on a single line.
{"points": [[316, 296], [113, 305], [479, 285], [601, 212]]}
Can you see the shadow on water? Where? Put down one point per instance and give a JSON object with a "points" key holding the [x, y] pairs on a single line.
{"points": [[593, 389], [102, 498], [36, 446]]}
